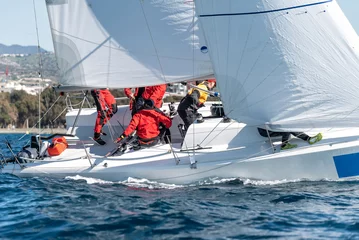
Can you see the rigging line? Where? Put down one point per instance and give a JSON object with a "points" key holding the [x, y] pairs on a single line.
{"points": [[59, 114], [153, 43], [123, 118], [218, 133], [210, 132], [214, 129], [193, 13], [264, 12], [104, 112], [228, 36], [109, 62], [41, 118], [40, 65]]}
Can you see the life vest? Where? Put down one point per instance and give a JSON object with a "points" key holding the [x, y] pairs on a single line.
{"points": [[57, 146], [195, 98]]}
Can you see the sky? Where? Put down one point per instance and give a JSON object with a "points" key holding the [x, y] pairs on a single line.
{"points": [[17, 21]]}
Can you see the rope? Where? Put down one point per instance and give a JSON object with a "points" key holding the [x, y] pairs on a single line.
{"points": [[193, 54], [40, 119], [40, 65], [210, 132]]}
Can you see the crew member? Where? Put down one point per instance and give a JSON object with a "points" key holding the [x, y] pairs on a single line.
{"points": [[195, 99], [285, 137], [147, 121], [154, 93], [106, 107]]}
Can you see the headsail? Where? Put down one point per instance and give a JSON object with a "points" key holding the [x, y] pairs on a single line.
{"points": [[132, 43], [291, 63]]}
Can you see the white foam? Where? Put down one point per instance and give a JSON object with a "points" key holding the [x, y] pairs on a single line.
{"points": [[89, 180], [132, 182], [145, 183], [262, 182], [212, 181]]}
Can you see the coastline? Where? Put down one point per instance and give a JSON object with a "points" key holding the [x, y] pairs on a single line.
{"points": [[35, 131]]}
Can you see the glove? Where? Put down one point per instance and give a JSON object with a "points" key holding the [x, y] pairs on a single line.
{"points": [[215, 94], [200, 105], [120, 138]]}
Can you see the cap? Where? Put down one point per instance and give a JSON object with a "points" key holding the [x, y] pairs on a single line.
{"points": [[211, 80]]}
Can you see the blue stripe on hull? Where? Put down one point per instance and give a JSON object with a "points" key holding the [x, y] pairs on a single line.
{"points": [[347, 165]]}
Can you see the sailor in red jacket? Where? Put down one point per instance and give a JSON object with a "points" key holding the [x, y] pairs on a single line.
{"points": [[154, 93], [147, 121], [106, 107]]}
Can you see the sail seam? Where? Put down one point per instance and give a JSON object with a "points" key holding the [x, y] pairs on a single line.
{"points": [[264, 12], [121, 49]]}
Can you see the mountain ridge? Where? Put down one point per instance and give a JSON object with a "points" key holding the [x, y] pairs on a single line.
{"points": [[19, 49]]}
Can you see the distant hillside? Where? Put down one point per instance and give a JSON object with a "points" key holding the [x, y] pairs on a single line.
{"points": [[28, 66], [17, 49]]}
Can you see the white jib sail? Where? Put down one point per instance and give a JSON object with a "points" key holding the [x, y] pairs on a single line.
{"points": [[291, 63], [127, 43]]}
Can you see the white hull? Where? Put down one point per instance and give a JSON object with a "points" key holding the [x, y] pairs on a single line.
{"points": [[234, 151]]}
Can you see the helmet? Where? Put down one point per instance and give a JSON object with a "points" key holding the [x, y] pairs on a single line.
{"points": [[212, 80], [148, 103], [140, 103]]}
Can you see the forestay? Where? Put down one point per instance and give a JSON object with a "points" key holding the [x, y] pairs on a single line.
{"points": [[120, 43], [290, 63]]}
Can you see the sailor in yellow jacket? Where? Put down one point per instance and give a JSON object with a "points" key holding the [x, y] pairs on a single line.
{"points": [[195, 99]]}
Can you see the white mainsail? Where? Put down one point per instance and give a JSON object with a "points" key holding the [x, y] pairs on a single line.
{"points": [[127, 43], [292, 64]]}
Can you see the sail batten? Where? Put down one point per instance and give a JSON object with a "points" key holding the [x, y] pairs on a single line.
{"points": [[121, 44], [293, 65]]}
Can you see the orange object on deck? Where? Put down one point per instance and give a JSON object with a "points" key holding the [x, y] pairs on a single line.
{"points": [[57, 147]]}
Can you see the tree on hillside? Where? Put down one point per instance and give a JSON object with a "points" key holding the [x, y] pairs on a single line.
{"points": [[8, 113], [56, 115], [27, 107]]}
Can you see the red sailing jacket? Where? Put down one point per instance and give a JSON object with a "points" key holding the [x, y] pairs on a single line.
{"points": [[106, 99], [128, 93], [106, 107], [146, 122], [155, 93]]}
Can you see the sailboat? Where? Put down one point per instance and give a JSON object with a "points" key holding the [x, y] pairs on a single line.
{"points": [[280, 65]]}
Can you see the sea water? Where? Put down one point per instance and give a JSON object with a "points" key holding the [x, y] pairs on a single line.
{"points": [[235, 208]]}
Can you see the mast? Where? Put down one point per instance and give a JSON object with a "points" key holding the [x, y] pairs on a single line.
{"points": [[40, 66]]}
